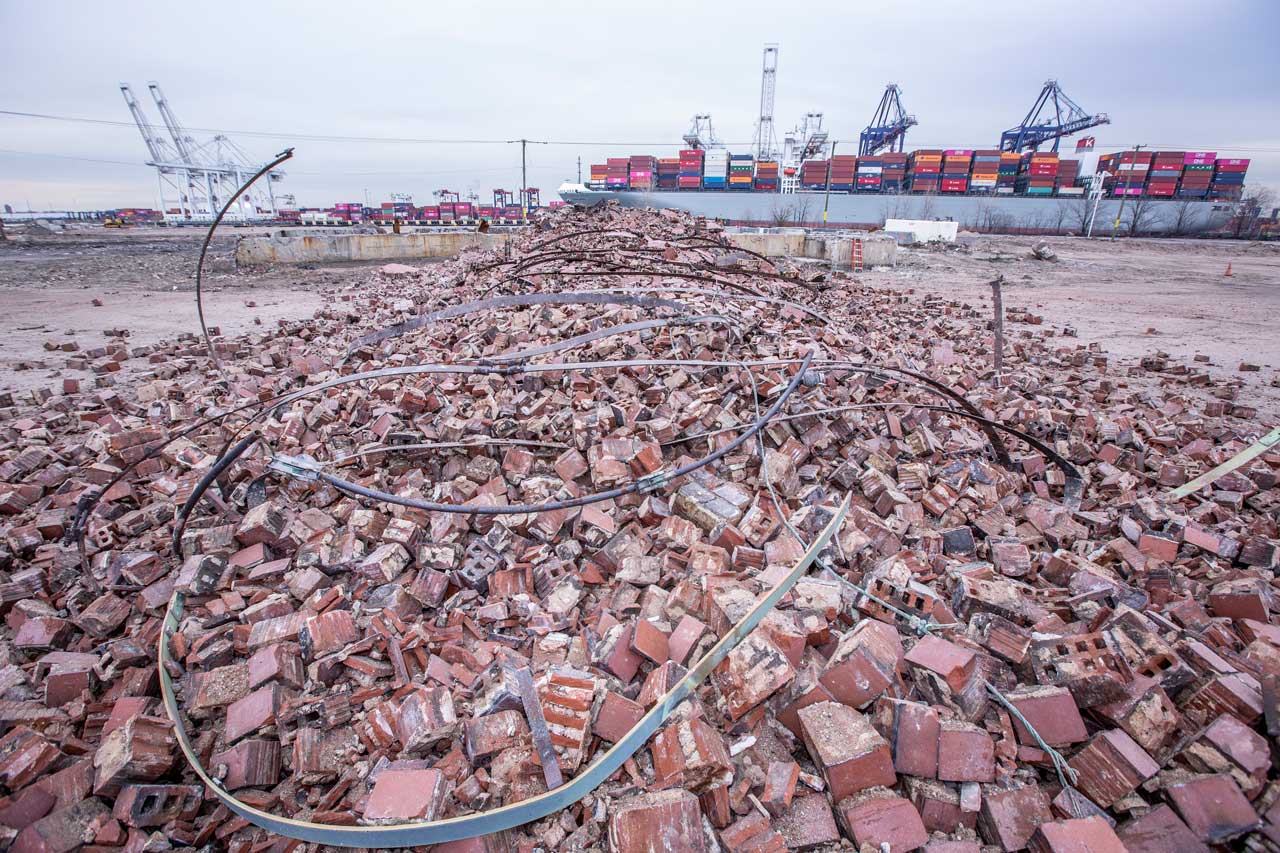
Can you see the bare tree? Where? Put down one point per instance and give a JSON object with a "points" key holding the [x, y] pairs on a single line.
{"points": [[1252, 207], [927, 205], [1141, 212], [1187, 219], [792, 212], [1059, 216], [1080, 212]]}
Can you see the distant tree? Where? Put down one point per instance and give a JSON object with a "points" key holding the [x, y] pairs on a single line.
{"points": [[1141, 211], [1186, 219], [1080, 213], [1060, 214], [1254, 205], [927, 205]]}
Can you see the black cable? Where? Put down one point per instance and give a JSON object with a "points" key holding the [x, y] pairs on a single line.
{"points": [[204, 247]]}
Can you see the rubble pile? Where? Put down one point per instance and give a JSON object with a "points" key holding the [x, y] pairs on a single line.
{"points": [[1014, 640]]}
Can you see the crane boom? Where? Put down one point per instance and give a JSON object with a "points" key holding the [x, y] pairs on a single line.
{"points": [[155, 146], [1052, 116], [888, 127], [768, 81], [181, 139]]}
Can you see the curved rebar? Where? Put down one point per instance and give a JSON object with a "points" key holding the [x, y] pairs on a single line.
{"points": [[204, 247]]}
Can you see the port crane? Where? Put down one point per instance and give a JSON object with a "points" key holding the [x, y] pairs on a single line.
{"points": [[701, 135], [1053, 116], [888, 127], [765, 139], [195, 179], [805, 141]]}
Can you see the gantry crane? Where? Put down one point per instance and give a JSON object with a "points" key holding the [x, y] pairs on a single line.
{"points": [[701, 135], [805, 141], [196, 179], [765, 139], [888, 127], [1053, 116]]}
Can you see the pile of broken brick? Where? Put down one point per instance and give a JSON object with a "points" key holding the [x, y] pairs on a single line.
{"points": [[978, 659]]}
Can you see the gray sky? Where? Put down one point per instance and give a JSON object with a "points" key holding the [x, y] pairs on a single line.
{"points": [[1173, 74]]}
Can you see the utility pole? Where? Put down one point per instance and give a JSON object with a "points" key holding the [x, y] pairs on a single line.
{"points": [[826, 198], [1128, 181], [524, 173], [579, 170]]}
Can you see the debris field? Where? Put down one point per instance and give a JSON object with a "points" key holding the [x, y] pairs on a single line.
{"points": [[445, 547]]}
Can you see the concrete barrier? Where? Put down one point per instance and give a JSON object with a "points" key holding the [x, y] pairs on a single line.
{"points": [[259, 251], [877, 250]]}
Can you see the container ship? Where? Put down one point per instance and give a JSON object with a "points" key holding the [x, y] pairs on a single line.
{"points": [[1162, 191]]}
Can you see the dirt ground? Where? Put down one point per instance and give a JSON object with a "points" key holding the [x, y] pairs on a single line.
{"points": [[1134, 297], [145, 279]]}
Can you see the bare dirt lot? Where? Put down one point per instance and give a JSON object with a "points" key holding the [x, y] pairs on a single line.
{"points": [[1134, 297], [145, 280]]}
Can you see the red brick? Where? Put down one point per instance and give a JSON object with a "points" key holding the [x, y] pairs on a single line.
{"points": [[965, 753], [1161, 548], [658, 821], [250, 763], [684, 638], [648, 641], [1010, 816], [425, 716], [1079, 835], [617, 716], [752, 834], [877, 817], [752, 672], [847, 749], [1051, 711], [1111, 766], [864, 663], [913, 731], [779, 786], [25, 755], [494, 733], [400, 795], [954, 663], [1213, 808], [808, 823], [1158, 831], [251, 713], [328, 632], [691, 754]]}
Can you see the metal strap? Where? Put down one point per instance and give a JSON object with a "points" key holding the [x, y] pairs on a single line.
{"points": [[504, 817], [1250, 453]]}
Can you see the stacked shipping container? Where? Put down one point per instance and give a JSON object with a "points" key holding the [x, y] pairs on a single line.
{"points": [[1164, 174], [1197, 174], [924, 169], [986, 171], [668, 172], [893, 178], [741, 170], [767, 176], [870, 173], [715, 169], [643, 169], [843, 172], [616, 173], [1068, 175], [1007, 176], [813, 174], [955, 170], [1228, 179], [690, 176], [1037, 173]]}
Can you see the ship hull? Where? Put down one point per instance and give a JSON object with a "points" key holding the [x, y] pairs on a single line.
{"points": [[1008, 214]]}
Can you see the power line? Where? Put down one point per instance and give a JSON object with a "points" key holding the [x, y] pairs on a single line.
{"points": [[410, 140]]}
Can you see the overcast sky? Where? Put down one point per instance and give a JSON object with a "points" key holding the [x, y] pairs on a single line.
{"points": [[1173, 74]]}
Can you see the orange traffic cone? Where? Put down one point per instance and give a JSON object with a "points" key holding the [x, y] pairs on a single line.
{"points": [[1227, 274]]}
